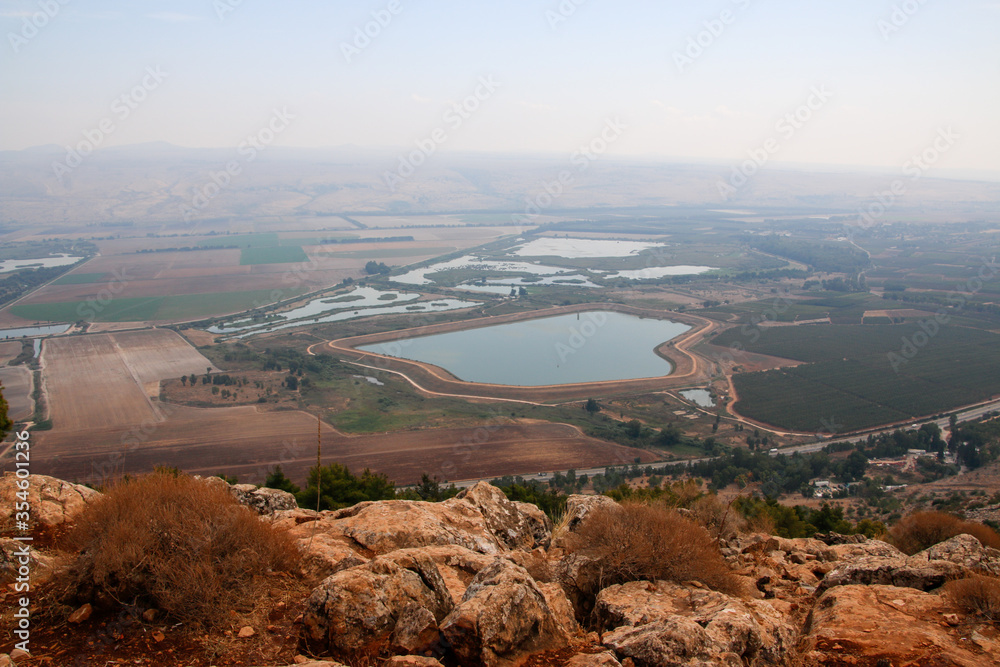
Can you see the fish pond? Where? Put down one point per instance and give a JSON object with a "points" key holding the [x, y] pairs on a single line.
{"points": [[593, 346]]}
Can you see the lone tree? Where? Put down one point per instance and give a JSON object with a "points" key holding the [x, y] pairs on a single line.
{"points": [[592, 406]]}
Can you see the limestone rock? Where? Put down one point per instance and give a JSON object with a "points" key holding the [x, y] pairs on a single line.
{"points": [[263, 500], [478, 521], [964, 550], [672, 642], [503, 615], [578, 507], [416, 630], [838, 538], [356, 610], [753, 630], [560, 606], [457, 565], [411, 661], [866, 549], [579, 575], [898, 626], [802, 547], [42, 564], [891, 571], [516, 525], [53, 501], [324, 554], [81, 614], [605, 659]]}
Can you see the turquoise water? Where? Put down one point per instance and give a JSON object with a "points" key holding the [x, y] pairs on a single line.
{"points": [[585, 347]]}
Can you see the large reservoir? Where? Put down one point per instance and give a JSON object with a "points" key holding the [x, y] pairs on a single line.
{"points": [[592, 346]]}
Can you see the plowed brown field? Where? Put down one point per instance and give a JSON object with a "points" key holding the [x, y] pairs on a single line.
{"points": [[105, 424]]}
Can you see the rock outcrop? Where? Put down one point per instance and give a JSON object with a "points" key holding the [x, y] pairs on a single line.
{"points": [[927, 570], [480, 519], [355, 612], [479, 580], [729, 629], [53, 502], [890, 625], [965, 551], [502, 615]]}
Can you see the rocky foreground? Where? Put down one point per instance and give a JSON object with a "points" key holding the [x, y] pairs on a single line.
{"points": [[481, 580]]}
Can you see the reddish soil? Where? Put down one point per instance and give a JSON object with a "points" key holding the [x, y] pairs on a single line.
{"points": [[248, 443]]}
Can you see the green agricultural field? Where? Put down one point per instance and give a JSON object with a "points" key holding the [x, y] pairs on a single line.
{"points": [[194, 306], [864, 376], [118, 310], [841, 308], [273, 255], [140, 309], [80, 279]]}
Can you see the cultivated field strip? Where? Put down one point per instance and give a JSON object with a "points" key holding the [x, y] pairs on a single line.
{"points": [[248, 443], [101, 381], [17, 390]]}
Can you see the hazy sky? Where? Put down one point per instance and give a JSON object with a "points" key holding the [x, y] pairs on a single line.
{"points": [[888, 82]]}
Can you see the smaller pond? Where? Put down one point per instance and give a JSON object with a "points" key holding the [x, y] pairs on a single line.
{"points": [[654, 272], [422, 276], [34, 331], [437, 306], [700, 397], [582, 248], [46, 262], [359, 297]]}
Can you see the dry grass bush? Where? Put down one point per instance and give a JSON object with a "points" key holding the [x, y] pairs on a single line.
{"points": [[721, 519], [978, 595], [921, 530], [637, 541], [177, 544]]}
